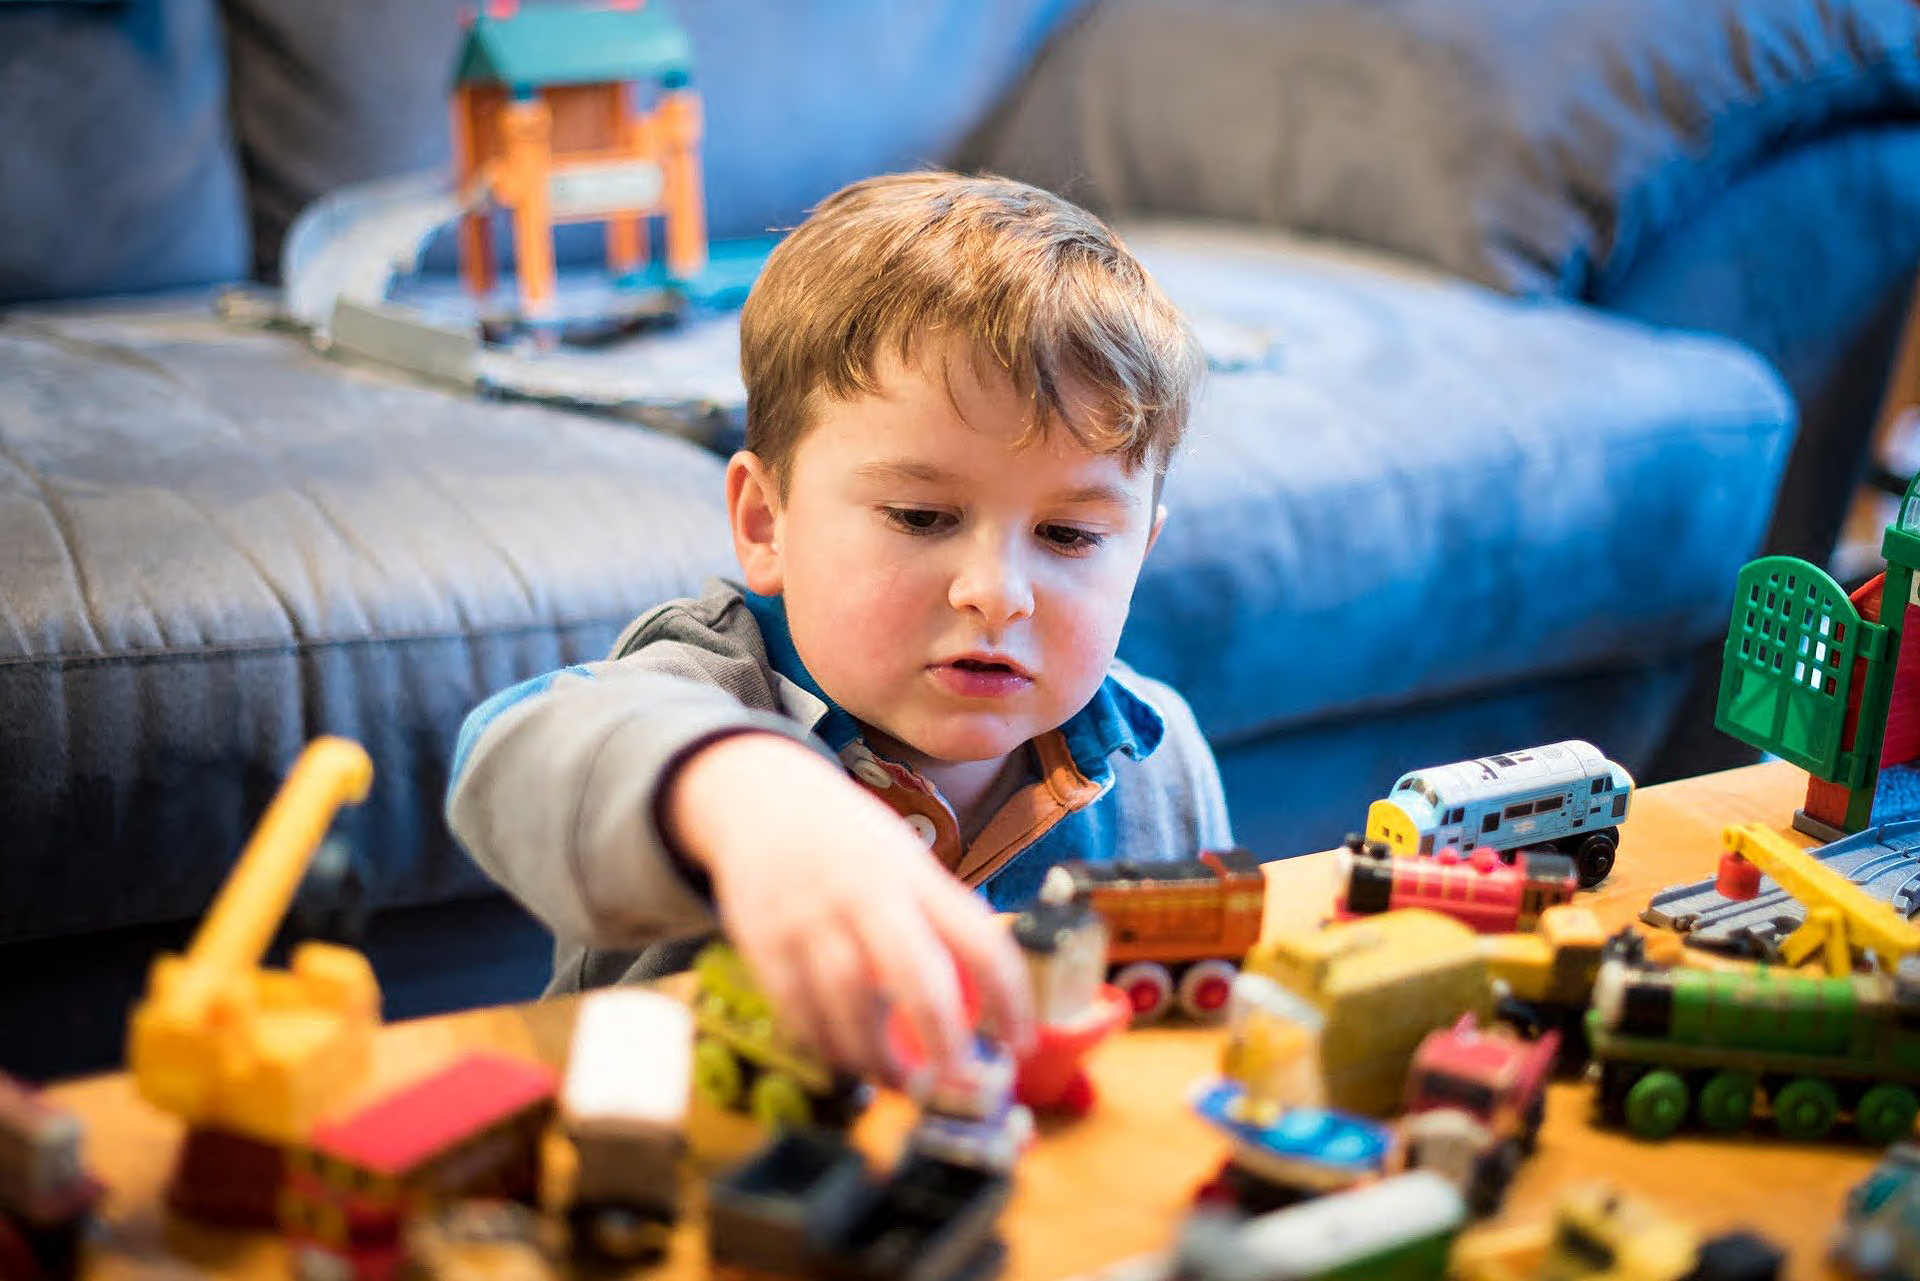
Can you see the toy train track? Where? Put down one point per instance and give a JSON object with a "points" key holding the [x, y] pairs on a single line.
{"points": [[1883, 861]]}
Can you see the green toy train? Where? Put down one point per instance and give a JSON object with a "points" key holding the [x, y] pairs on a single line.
{"points": [[1720, 1044]]}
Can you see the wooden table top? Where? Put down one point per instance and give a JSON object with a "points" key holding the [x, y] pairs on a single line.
{"points": [[1092, 1192]]}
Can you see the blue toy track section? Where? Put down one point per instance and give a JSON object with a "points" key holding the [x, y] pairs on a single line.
{"points": [[1313, 1136], [1883, 861]]}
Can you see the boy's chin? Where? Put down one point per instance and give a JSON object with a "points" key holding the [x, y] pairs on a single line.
{"points": [[954, 744]]}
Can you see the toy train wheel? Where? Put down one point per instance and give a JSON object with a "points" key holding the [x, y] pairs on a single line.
{"points": [[1885, 1114], [1726, 1101], [1657, 1104], [717, 1075], [1148, 988], [1593, 857], [1805, 1108], [1205, 987], [779, 1102], [1492, 1176]]}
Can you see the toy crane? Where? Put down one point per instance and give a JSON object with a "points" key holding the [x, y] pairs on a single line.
{"points": [[249, 1055], [1841, 917]]}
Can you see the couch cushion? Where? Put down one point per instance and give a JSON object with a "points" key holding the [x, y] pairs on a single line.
{"points": [[219, 545], [327, 94], [1403, 487], [1535, 147], [117, 172]]}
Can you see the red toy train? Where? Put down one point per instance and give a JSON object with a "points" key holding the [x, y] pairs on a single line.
{"points": [[1481, 890]]}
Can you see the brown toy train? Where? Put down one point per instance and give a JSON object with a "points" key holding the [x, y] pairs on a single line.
{"points": [[1179, 928]]}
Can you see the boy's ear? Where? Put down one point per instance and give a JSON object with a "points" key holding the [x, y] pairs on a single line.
{"points": [[753, 509], [1159, 523]]}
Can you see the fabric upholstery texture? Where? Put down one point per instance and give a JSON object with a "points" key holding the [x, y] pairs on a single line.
{"points": [[1536, 148], [220, 545], [1808, 260], [1441, 489], [117, 172]]}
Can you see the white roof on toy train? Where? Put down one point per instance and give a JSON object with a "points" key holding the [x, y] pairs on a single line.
{"points": [[1463, 782]]}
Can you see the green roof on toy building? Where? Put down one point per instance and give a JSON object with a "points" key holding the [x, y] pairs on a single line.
{"points": [[563, 44]]}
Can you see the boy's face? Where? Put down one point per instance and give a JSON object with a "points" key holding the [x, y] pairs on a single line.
{"points": [[948, 590]]}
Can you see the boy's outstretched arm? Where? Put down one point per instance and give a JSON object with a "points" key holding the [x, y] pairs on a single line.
{"points": [[553, 794], [839, 908], [587, 792]]}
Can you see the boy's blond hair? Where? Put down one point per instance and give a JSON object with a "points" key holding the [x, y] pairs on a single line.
{"points": [[1043, 290]]}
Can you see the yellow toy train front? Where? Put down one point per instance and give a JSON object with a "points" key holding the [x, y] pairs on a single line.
{"points": [[221, 1042]]}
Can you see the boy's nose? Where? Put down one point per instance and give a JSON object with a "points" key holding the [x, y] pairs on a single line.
{"points": [[993, 584]]}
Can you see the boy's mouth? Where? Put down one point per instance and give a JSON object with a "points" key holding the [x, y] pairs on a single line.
{"points": [[982, 675]]}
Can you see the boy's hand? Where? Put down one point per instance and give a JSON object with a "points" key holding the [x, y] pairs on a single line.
{"points": [[839, 909]]}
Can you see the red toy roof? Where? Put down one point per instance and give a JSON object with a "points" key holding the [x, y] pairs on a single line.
{"points": [[403, 1129]]}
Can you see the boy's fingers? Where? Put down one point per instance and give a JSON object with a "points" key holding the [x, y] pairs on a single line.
{"points": [[792, 1004], [990, 955], [917, 976], [843, 991]]}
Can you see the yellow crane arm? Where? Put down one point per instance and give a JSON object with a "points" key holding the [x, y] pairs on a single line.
{"points": [[330, 773], [1828, 895]]}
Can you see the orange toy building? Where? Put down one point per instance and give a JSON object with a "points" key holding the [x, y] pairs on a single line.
{"points": [[549, 124], [1177, 927]]}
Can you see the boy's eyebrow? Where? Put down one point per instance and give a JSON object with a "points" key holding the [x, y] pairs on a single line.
{"points": [[898, 469], [1098, 494], [904, 469]]}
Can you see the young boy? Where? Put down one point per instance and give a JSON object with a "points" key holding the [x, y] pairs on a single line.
{"points": [[962, 396]]}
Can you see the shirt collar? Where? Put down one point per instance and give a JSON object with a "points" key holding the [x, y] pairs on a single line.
{"points": [[1116, 719]]}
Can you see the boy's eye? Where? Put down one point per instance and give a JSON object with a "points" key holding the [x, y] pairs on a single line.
{"points": [[1068, 539], [917, 520]]}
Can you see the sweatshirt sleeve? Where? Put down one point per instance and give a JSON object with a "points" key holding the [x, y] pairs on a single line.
{"points": [[554, 788]]}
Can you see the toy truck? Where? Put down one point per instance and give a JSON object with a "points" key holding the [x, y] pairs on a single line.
{"points": [[1475, 1100]]}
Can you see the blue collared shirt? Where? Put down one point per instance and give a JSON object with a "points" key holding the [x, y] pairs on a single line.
{"points": [[1115, 719]]}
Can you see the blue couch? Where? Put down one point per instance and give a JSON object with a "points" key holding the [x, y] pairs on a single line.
{"points": [[1510, 320]]}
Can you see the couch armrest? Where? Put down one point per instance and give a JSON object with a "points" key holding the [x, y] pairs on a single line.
{"points": [[1534, 148]]}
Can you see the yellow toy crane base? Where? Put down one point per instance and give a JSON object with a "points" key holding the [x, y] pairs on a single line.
{"points": [[218, 1041], [1841, 917]]}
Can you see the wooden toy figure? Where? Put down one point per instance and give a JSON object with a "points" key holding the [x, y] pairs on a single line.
{"points": [[1065, 944], [548, 124], [45, 1194]]}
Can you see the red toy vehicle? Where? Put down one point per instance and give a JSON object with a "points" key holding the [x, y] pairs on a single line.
{"points": [[1177, 928], [1474, 1103], [473, 1129], [1481, 890]]}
